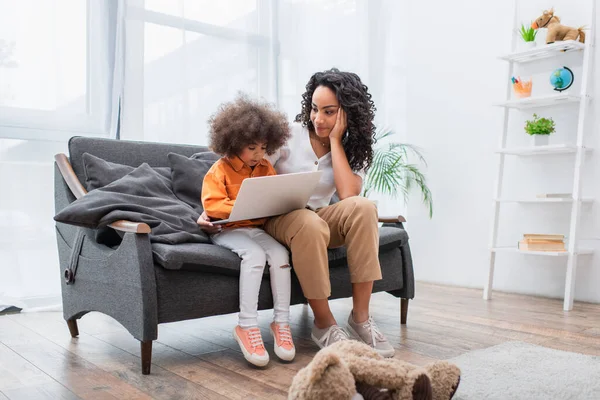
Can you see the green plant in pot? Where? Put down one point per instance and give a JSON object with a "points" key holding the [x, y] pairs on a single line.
{"points": [[528, 35], [391, 174], [539, 129]]}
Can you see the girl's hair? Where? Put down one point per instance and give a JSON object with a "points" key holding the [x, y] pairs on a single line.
{"points": [[245, 121], [355, 99]]}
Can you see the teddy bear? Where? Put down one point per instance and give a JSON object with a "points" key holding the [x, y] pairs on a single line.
{"points": [[557, 31], [348, 367]]}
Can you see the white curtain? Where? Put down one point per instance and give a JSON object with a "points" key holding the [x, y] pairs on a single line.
{"points": [[60, 76], [185, 57], [67, 67]]}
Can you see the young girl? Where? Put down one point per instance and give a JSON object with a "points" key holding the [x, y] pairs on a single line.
{"points": [[243, 131]]}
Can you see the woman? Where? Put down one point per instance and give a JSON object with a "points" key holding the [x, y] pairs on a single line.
{"points": [[334, 133]]}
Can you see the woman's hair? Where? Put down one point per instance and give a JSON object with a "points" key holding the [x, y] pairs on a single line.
{"points": [[355, 99], [245, 121]]}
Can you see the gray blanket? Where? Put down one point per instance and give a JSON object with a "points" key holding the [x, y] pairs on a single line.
{"points": [[140, 196]]}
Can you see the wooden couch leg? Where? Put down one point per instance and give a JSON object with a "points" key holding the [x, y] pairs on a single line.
{"points": [[146, 348], [72, 324], [403, 310]]}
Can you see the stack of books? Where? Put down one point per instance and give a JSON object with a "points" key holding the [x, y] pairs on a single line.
{"points": [[542, 242]]}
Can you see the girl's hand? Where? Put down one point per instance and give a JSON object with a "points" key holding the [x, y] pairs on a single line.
{"points": [[341, 124], [206, 225]]}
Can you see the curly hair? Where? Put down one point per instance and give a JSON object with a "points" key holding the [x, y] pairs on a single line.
{"points": [[245, 121], [355, 99]]}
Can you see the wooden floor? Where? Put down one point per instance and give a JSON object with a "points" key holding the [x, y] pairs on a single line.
{"points": [[199, 359]]}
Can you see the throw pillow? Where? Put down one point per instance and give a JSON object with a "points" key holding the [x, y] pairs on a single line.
{"points": [[99, 173], [187, 175]]}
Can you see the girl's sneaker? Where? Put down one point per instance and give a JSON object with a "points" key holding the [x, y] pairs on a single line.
{"points": [[284, 345], [251, 343]]}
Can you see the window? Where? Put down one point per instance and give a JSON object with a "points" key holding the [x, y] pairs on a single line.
{"points": [[185, 57], [55, 80]]}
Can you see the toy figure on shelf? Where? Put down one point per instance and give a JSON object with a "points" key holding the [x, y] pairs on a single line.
{"points": [[557, 31]]}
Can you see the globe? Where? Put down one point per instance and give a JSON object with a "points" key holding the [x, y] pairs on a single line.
{"points": [[561, 79]]}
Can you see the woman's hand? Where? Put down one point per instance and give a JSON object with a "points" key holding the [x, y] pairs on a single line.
{"points": [[341, 124], [206, 225]]}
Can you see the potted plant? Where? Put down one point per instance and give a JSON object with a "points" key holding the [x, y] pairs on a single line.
{"points": [[391, 174], [540, 129], [528, 35]]}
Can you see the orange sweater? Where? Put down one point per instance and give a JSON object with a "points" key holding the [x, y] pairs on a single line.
{"points": [[222, 183]]}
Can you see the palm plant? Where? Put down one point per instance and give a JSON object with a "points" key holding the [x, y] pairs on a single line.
{"points": [[391, 174]]}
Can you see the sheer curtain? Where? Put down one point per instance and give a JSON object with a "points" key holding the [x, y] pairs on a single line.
{"points": [[185, 57], [363, 36], [59, 68]]}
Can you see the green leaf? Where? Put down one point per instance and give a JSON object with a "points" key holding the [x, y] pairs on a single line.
{"points": [[391, 174]]}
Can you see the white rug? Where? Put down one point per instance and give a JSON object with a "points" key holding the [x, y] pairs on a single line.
{"points": [[516, 370]]}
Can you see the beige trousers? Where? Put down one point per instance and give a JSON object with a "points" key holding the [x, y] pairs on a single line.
{"points": [[351, 222]]}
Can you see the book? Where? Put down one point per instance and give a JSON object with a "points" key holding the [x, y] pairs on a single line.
{"points": [[541, 241], [543, 236], [525, 246]]}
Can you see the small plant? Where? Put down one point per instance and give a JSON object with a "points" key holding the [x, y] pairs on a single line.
{"points": [[539, 126], [527, 33]]}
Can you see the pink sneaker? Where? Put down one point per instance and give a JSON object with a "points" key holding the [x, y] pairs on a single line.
{"points": [[251, 343], [284, 345]]}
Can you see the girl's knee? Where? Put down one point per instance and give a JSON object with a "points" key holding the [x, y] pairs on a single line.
{"points": [[255, 259], [279, 257]]}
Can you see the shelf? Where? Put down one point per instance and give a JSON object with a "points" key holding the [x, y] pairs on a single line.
{"points": [[541, 150], [532, 102], [580, 252], [543, 200], [545, 51]]}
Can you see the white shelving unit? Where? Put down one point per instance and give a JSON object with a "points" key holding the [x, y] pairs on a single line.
{"points": [[548, 51], [535, 102], [540, 253], [554, 50], [545, 200], [541, 150]]}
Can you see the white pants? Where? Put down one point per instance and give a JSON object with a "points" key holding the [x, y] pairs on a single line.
{"points": [[255, 247]]}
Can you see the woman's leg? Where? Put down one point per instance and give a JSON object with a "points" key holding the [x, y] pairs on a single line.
{"points": [[307, 235], [353, 222], [361, 297]]}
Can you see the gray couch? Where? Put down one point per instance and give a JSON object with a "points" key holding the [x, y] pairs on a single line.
{"points": [[135, 280]]}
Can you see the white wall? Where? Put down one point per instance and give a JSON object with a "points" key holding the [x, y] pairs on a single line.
{"points": [[454, 78]]}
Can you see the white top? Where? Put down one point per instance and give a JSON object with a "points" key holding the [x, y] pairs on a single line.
{"points": [[298, 156]]}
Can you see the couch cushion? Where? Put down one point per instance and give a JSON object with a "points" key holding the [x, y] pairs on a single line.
{"points": [[99, 173], [140, 196], [187, 175], [217, 259], [197, 257]]}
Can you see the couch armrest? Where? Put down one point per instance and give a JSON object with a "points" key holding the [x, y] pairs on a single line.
{"points": [[391, 220], [66, 170]]}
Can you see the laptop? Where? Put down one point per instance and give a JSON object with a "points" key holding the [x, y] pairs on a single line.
{"points": [[267, 196]]}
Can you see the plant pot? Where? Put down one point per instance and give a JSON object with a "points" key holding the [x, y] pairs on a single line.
{"points": [[526, 45], [540, 140]]}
